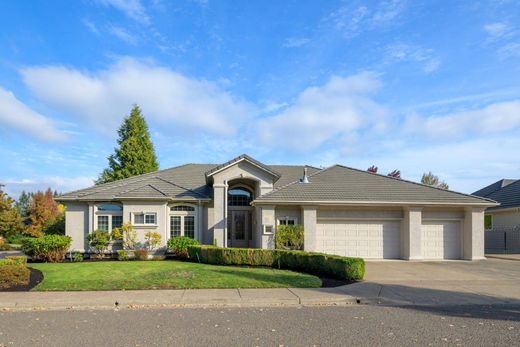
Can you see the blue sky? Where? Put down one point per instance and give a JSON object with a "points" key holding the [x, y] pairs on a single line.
{"points": [[412, 85]]}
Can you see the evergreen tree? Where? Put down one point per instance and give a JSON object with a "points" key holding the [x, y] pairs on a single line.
{"points": [[23, 203], [135, 154], [10, 220], [433, 180]]}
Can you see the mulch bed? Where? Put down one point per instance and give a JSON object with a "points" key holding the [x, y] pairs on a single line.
{"points": [[35, 278]]}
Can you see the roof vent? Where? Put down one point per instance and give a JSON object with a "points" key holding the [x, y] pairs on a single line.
{"points": [[305, 178]]}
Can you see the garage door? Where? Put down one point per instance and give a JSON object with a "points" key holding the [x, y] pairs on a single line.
{"points": [[441, 240], [359, 238]]}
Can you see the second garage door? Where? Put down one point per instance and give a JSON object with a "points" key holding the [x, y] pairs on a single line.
{"points": [[359, 238], [441, 240]]}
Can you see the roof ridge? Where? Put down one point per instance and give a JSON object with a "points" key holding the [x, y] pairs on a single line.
{"points": [[145, 185], [416, 183], [293, 182]]}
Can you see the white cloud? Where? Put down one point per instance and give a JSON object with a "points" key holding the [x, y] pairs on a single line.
{"points": [[123, 35], [91, 26], [339, 109], [169, 98], [401, 52], [353, 21], [494, 118], [498, 31], [511, 50], [131, 8], [16, 115], [14, 186], [293, 42]]}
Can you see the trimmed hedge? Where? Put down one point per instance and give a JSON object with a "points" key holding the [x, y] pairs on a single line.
{"points": [[14, 272], [179, 245], [48, 248], [314, 263]]}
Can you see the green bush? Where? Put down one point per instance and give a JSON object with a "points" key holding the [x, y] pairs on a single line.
{"points": [[122, 255], [48, 248], [14, 260], [15, 238], [4, 246], [179, 245], [141, 254], [289, 237], [12, 274], [77, 257], [314, 263], [99, 240]]}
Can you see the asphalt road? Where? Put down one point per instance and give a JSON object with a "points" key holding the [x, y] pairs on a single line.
{"points": [[298, 326]]}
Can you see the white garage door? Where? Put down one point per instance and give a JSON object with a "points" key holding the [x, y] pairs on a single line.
{"points": [[441, 240], [359, 238]]}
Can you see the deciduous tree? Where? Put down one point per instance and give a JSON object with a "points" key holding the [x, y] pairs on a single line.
{"points": [[433, 180]]}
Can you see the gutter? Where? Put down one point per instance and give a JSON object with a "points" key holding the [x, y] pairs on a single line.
{"points": [[357, 203]]}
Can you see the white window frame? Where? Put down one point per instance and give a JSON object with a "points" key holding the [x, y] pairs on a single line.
{"points": [[286, 219], [182, 215], [108, 214], [144, 218]]}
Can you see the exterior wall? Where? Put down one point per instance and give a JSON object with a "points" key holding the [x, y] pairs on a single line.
{"points": [[309, 228], [263, 183], [473, 234], [77, 224], [267, 221], [207, 226], [411, 234], [288, 211], [158, 207], [505, 219]]}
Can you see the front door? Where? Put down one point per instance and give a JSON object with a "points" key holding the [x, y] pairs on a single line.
{"points": [[239, 229]]}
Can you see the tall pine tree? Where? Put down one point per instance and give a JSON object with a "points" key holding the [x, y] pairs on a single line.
{"points": [[135, 154]]}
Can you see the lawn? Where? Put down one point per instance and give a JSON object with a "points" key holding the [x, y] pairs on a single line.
{"points": [[115, 275]]}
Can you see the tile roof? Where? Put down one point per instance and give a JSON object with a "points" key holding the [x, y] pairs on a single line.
{"points": [[484, 192], [240, 158], [508, 196], [343, 184], [181, 182]]}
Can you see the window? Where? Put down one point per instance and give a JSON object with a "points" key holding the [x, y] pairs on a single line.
{"points": [[102, 222], [488, 222], [175, 226], [110, 207], [183, 221], [182, 208], [239, 197], [287, 221], [117, 221], [145, 218]]}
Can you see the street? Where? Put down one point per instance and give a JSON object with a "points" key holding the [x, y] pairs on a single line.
{"points": [[289, 326]]}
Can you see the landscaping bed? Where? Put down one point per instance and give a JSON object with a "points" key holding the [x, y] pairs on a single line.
{"points": [[121, 275]]}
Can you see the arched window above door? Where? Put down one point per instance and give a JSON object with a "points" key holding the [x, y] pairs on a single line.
{"points": [[239, 196]]}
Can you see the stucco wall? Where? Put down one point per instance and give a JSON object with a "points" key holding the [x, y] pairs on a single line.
{"points": [[505, 219], [76, 224], [158, 207], [289, 211]]}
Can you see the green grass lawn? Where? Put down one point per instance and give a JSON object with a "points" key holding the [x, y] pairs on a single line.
{"points": [[169, 274]]}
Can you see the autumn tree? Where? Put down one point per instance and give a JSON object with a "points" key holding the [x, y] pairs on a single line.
{"points": [[433, 180], [135, 154], [10, 220], [43, 213]]}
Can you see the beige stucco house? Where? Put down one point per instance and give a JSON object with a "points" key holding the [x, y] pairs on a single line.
{"points": [[506, 216], [242, 202]]}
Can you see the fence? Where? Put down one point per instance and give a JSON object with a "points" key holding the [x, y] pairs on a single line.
{"points": [[503, 240]]}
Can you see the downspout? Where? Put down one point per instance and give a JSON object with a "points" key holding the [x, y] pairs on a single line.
{"points": [[225, 213]]}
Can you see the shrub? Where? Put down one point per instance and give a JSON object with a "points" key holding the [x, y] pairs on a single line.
{"points": [[122, 255], [153, 239], [14, 260], [141, 254], [4, 246], [314, 263], [15, 238], [12, 274], [179, 245], [128, 234], [77, 257], [289, 237], [99, 240], [48, 248]]}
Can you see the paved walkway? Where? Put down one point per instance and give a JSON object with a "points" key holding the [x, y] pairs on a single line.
{"points": [[389, 283]]}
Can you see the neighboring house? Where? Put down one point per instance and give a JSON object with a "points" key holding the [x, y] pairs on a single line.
{"points": [[242, 202], [507, 215]]}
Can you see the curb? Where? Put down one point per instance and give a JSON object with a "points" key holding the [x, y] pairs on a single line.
{"points": [[498, 256]]}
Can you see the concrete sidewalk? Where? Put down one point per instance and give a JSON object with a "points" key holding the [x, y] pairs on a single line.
{"points": [[172, 298]]}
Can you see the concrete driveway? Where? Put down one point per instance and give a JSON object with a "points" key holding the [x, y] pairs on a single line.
{"points": [[491, 281]]}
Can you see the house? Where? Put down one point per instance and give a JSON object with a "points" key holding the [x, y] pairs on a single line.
{"points": [[507, 215], [241, 203]]}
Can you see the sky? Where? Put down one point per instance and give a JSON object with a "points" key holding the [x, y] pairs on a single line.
{"points": [[411, 85]]}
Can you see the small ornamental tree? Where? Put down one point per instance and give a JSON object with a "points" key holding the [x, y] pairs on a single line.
{"points": [[153, 239], [433, 180], [135, 154], [372, 169], [289, 237], [10, 220], [99, 240]]}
